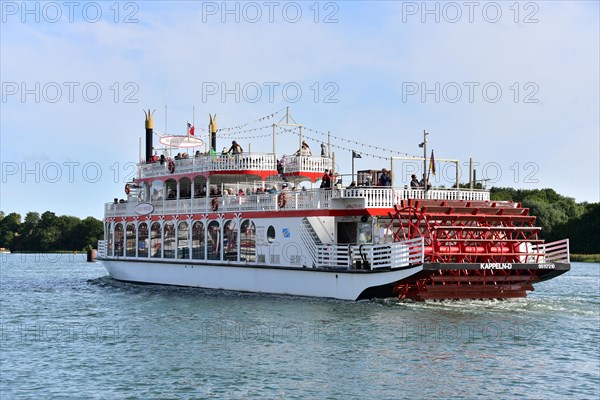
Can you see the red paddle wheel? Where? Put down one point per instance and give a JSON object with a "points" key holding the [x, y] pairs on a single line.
{"points": [[470, 248]]}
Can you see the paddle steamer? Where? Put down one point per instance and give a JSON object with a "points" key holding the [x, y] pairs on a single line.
{"points": [[242, 222]]}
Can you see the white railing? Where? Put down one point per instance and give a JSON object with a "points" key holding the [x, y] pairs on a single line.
{"points": [[294, 200], [242, 162], [373, 197], [101, 253], [307, 164], [555, 251], [238, 162], [379, 197], [442, 194], [392, 255]]}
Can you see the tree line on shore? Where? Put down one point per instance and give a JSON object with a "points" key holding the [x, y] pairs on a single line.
{"points": [[48, 232], [559, 216]]}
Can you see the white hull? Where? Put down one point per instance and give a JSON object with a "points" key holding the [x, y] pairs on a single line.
{"points": [[260, 279]]}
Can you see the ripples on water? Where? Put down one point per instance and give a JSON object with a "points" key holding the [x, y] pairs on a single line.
{"points": [[70, 331]]}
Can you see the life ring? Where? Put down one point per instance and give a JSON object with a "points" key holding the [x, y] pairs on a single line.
{"points": [[171, 166], [127, 188], [214, 204], [281, 200]]}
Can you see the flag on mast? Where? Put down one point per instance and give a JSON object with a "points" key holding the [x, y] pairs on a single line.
{"points": [[355, 154], [190, 129], [432, 163]]}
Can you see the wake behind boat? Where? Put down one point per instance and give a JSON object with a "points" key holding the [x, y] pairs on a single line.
{"points": [[238, 221]]}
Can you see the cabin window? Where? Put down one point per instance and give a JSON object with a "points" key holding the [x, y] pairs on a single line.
{"points": [[199, 187], [155, 240], [143, 240], [156, 192], [185, 188], [143, 192], [248, 241], [183, 240], [119, 240], [130, 240], [271, 234], [230, 241], [384, 232], [365, 233], [198, 241], [169, 240], [109, 239], [171, 189], [214, 241]]}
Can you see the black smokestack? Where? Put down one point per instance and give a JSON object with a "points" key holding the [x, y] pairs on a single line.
{"points": [[149, 133], [212, 127]]}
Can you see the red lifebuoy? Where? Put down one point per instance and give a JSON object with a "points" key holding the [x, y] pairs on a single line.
{"points": [[215, 204], [127, 188], [281, 200], [171, 166]]}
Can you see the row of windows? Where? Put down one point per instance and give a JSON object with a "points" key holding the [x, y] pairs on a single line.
{"points": [[183, 240]]}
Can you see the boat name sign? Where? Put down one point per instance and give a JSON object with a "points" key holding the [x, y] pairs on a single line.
{"points": [[495, 266], [144, 208]]}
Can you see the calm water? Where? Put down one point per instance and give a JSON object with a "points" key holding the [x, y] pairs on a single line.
{"points": [[69, 331]]}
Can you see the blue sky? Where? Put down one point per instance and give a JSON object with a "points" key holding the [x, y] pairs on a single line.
{"points": [[514, 87]]}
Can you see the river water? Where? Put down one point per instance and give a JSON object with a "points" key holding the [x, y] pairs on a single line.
{"points": [[69, 331]]}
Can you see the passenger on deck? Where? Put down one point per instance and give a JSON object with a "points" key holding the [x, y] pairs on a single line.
{"points": [[235, 148], [155, 157], [198, 154], [414, 183], [424, 182], [162, 159], [326, 180], [384, 179], [304, 150], [224, 152]]}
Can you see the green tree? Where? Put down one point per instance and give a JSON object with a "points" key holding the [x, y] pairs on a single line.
{"points": [[9, 229], [48, 231], [88, 232], [67, 239], [29, 238]]}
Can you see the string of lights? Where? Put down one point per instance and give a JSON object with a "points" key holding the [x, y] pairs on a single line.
{"points": [[334, 145], [359, 143], [236, 131], [268, 116], [232, 134]]}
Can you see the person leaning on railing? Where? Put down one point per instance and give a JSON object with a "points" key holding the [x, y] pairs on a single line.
{"points": [[326, 180], [304, 150], [414, 183], [384, 179], [235, 148]]}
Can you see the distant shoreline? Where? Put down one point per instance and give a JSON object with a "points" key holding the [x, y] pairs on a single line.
{"points": [[589, 258]]}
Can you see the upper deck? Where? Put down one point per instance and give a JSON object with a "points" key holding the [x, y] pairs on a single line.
{"points": [[259, 164]]}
